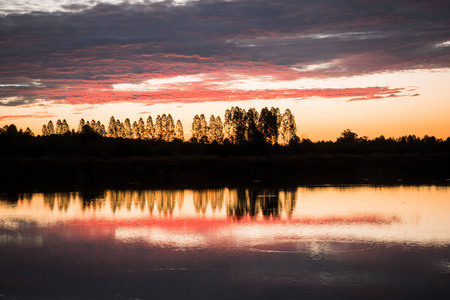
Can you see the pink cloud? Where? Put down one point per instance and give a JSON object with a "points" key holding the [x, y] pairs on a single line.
{"points": [[15, 117]]}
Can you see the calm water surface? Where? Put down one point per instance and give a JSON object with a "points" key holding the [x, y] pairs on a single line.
{"points": [[307, 243]]}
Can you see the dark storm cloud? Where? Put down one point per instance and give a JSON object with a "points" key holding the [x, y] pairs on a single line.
{"points": [[108, 44]]}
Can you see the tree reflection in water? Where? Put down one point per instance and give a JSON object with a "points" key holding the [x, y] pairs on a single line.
{"points": [[12, 198], [211, 197], [239, 203], [269, 203], [61, 200]]}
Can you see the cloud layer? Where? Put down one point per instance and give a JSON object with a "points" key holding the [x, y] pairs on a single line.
{"points": [[87, 52]]}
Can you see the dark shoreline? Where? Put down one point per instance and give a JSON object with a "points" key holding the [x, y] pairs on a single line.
{"points": [[87, 161], [70, 172]]}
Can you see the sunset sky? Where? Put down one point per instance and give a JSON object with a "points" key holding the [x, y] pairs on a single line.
{"points": [[378, 67]]}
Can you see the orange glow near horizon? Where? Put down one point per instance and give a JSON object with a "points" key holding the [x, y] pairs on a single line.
{"points": [[322, 112]]}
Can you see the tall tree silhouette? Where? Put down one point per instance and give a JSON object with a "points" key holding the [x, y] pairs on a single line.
{"points": [[112, 131], [288, 128], [196, 128], [140, 129], [128, 131], [149, 130], [268, 125], [158, 128], [169, 129], [44, 130], [235, 120], [80, 125], [50, 128], [252, 133], [215, 130], [179, 133]]}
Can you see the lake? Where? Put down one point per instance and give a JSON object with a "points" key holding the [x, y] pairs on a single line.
{"points": [[327, 242]]}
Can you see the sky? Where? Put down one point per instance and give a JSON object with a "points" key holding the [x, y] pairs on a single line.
{"points": [[376, 67]]}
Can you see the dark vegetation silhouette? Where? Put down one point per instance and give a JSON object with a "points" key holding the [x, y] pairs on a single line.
{"points": [[247, 147]]}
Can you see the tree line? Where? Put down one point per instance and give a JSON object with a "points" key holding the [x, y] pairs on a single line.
{"points": [[242, 127], [239, 127], [163, 129]]}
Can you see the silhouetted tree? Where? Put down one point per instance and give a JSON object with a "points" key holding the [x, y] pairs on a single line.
{"points": [[215, 130], [227, 128], [169, 129], [196, 128], [80, 125], [158, 128], [235, 120], [218, 130], [58, 127], [10, 130], [112, 132], [252, 133], [28, 132], [203, 128], [128, 131], [140, 129], [288, 127], [50, 128], [179, 134], [101, 129], [268, 125], [210, 132], [149, 130], [120, 129], [348, 136], [44, 130]]}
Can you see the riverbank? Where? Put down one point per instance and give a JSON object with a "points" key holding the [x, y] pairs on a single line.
{"points": [[208, 171]]}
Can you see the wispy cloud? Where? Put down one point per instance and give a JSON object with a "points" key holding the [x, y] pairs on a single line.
{"points": [[15, 117], [91, 52]]}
